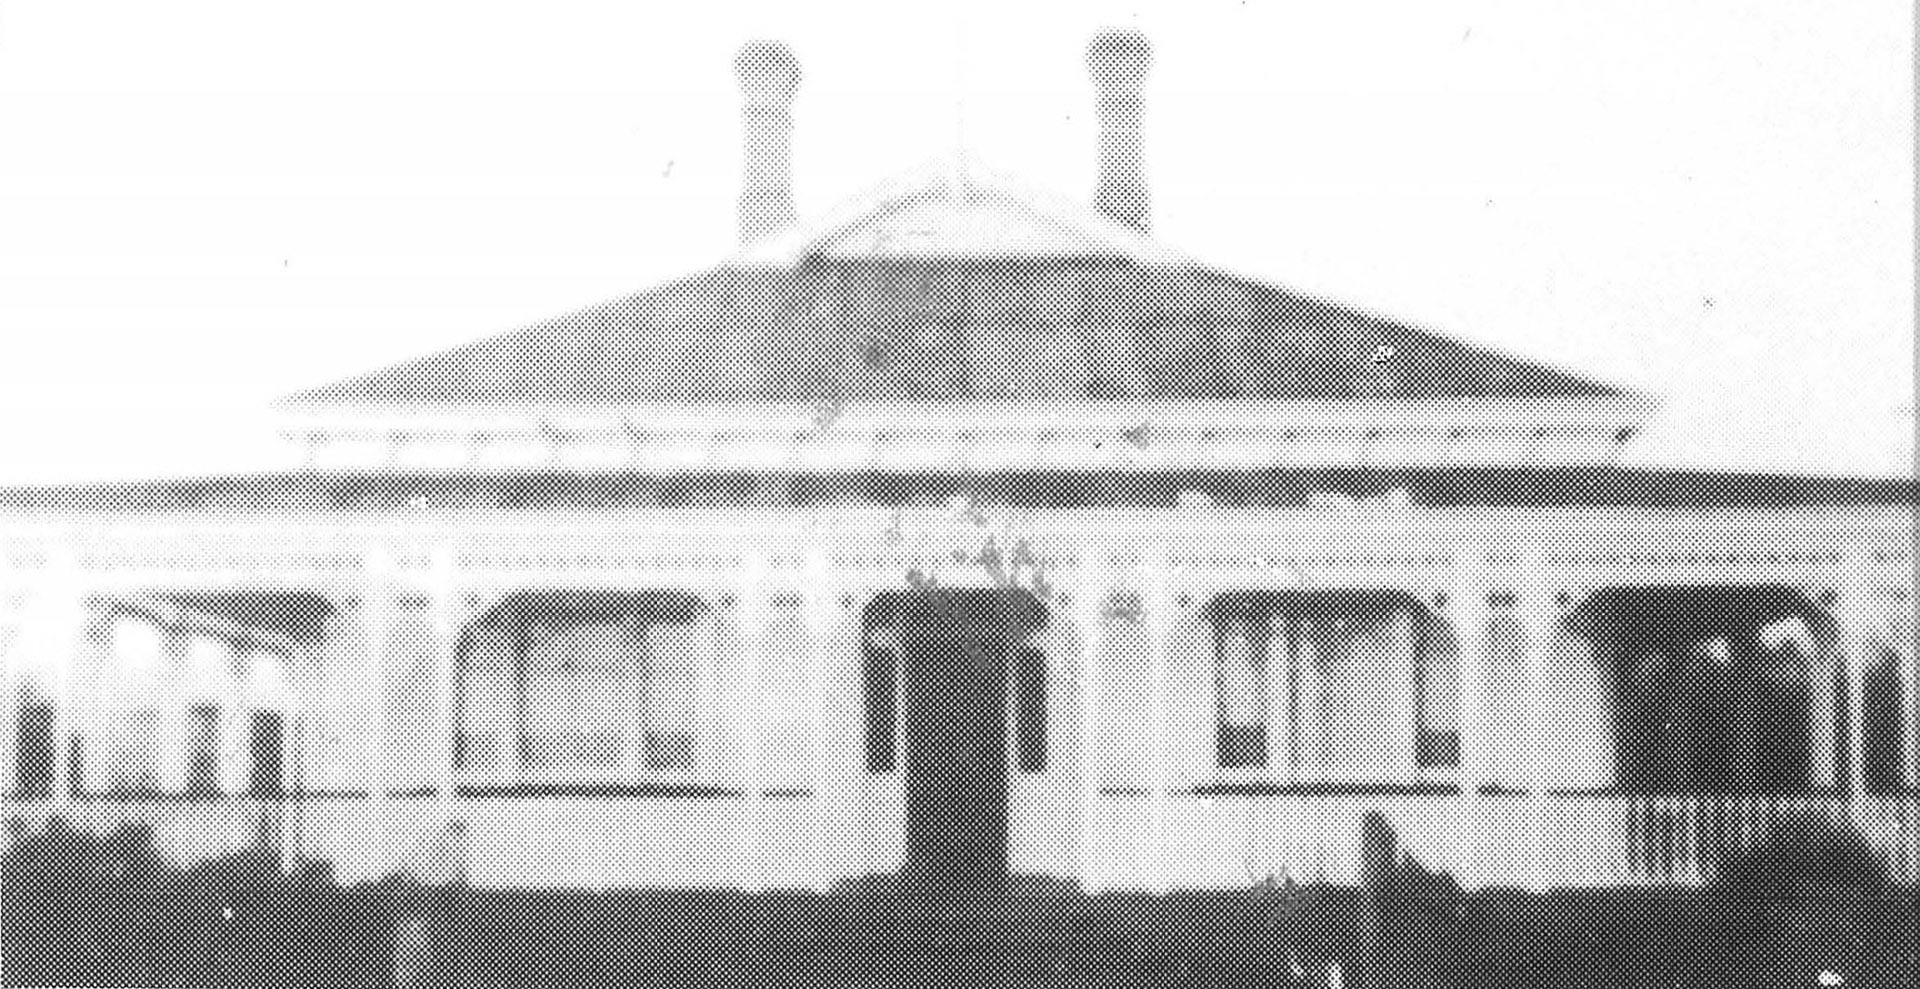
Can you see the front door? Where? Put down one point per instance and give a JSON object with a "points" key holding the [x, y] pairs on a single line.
{"points": [[957, 648]]}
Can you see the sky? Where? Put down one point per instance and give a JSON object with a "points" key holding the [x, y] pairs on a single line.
{"points": [[207, 204]]}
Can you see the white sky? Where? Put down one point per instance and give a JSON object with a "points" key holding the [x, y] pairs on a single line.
{"points": [[205, 205]]}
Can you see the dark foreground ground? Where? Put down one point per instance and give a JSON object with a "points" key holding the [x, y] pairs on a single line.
{"points": [[88, 912]]}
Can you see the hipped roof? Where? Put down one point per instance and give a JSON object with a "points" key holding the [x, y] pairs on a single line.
{"points": [[951, 285]]}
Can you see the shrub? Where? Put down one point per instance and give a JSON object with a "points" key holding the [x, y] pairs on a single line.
{"points": [[84, 909]]}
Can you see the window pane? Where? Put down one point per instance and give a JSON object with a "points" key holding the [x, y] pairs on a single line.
{"points": [[1030, 709], [1436, 740], [203, 750], [1366, 671], [880, 665], [1242, 691], [267, 747], [137, 735], [35, 751], [580, 683], [485, 737]]}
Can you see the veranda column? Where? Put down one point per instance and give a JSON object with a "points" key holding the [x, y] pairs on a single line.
{"points": [[829, 821], [377, 569], [65, 618], [1092, 596], [1909, 648], [445, 641], [1470, 631], [11, 629], [1159, 626], [1909, 741], [1537, 616], [752, 577], [172, 736], [1855, 615], [305, 704]]}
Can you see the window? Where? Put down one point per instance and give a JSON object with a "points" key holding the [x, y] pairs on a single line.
{"points": [[880, 672], [581, 683], [1242, 689], [1030, 710], [34, 750], [583, 686], [203, 750], [1436, 712], [1330, 685], [267, 750]]}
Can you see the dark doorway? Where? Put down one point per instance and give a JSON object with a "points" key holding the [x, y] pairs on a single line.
{"points": [[960, 652]]}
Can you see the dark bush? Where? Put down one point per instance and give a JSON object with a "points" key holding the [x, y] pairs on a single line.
{"points": [[1810, 897], [82, 909]]}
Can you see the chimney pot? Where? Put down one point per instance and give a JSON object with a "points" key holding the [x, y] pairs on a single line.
{"points": [[769, 75], [1117, 61]]}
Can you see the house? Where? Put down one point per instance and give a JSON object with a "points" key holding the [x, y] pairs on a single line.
{"points": [[965, 532]]}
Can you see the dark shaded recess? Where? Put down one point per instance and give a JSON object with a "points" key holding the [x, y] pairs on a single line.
{"points": [[1030, 710], [590, 606], [1241, 746], [267, 756], [298, 615], [1685, 723], [963, 658], [203, 751], [1884, 726], [1520, 487], [880, 690], [34, 752]]}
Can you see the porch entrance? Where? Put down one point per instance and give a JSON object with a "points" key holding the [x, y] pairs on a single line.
{"points": [[959, 649]]}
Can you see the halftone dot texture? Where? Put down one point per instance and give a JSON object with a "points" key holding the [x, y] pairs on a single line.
{"points": [[1154, 715]]}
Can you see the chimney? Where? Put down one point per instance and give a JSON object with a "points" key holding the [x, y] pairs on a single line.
{"points": [[769, 74], [1118, 61]]}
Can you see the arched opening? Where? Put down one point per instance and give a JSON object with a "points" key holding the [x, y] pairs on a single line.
{"points": [[1716, 690]]}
